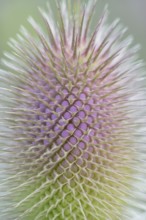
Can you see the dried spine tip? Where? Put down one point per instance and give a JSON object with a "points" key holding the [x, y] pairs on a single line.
{"points": [[72, 120]]}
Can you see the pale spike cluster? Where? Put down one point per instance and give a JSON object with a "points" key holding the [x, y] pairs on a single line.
{"points": [[72, 128]]}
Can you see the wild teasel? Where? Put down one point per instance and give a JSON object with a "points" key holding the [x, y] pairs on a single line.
{"points": [[72, 120]]}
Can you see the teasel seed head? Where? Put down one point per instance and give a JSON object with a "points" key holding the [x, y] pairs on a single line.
{"points": [[72, 120]]}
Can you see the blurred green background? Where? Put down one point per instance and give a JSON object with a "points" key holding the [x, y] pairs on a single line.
{"points": [[14, 13]]}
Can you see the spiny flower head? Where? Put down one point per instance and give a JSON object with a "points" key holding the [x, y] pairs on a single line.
{"points": [[72, 120]]}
